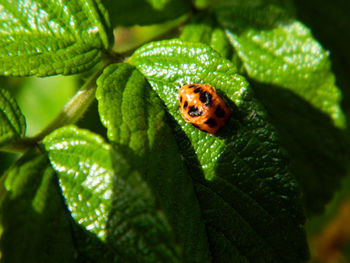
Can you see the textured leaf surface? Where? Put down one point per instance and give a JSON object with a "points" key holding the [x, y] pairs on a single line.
{"points": [[329, 23], [302, 103], [12, 122], [248, 198], [47, 37], [141, 12], [317, 150], [34, 222], [279, 50], [82, 161], [204, 29], [138, 127]]}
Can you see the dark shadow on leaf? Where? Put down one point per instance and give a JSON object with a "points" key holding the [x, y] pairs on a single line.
{"points": [[153, 199], [239, 228], [90, 248], [31, 234], [91, 121], [263, 220], [138, 203], [316, 148], [329, 22]]}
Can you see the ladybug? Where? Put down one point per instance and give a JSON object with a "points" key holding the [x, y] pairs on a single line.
{"points": [[203, 107]]}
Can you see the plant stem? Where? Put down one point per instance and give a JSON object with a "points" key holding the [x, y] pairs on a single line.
{"points": [[20, 146], [74, 109]]}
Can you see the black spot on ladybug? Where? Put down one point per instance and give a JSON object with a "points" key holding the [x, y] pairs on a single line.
{"points": [[194, 111], [211, 122], [206, 98], [219, 112], [197, 90], [191, 86], [185, 105], [180, 98]]}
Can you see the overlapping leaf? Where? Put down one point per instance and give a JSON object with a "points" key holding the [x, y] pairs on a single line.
{"points": [[12, 122], [248, 198], [117, 207], [279, 50], [156, 179], [40, 37], [83, 162], [317, 149], [34, 222], [302, 97]]}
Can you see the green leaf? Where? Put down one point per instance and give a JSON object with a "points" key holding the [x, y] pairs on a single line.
{"points": [[249, 200], [300, 105], [317, 150], [329, 22], [138, 127], [204, 29], [142, 12], [105, 203], [82, 161], [279, 50], [12, 122], [47, 37], [34, 223]]}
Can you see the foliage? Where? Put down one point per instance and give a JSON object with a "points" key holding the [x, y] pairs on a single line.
{"points": [[143, 185]]}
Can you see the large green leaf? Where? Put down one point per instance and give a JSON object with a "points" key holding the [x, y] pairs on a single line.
{"points": [[248, 198], [12, 122], [47, 37], [279, 50], [34, 223], [145, 12], [137, 126]]}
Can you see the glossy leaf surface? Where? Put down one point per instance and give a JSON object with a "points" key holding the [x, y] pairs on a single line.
{"points": [[40, 37], [139, 128]]}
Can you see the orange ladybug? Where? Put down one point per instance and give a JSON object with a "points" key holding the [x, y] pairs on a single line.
{"points": [[203, 107]]}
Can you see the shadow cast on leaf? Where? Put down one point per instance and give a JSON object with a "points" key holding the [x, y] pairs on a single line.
{"points": [[315, 146], [244, 221], [33, 217], [252, 184]]}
